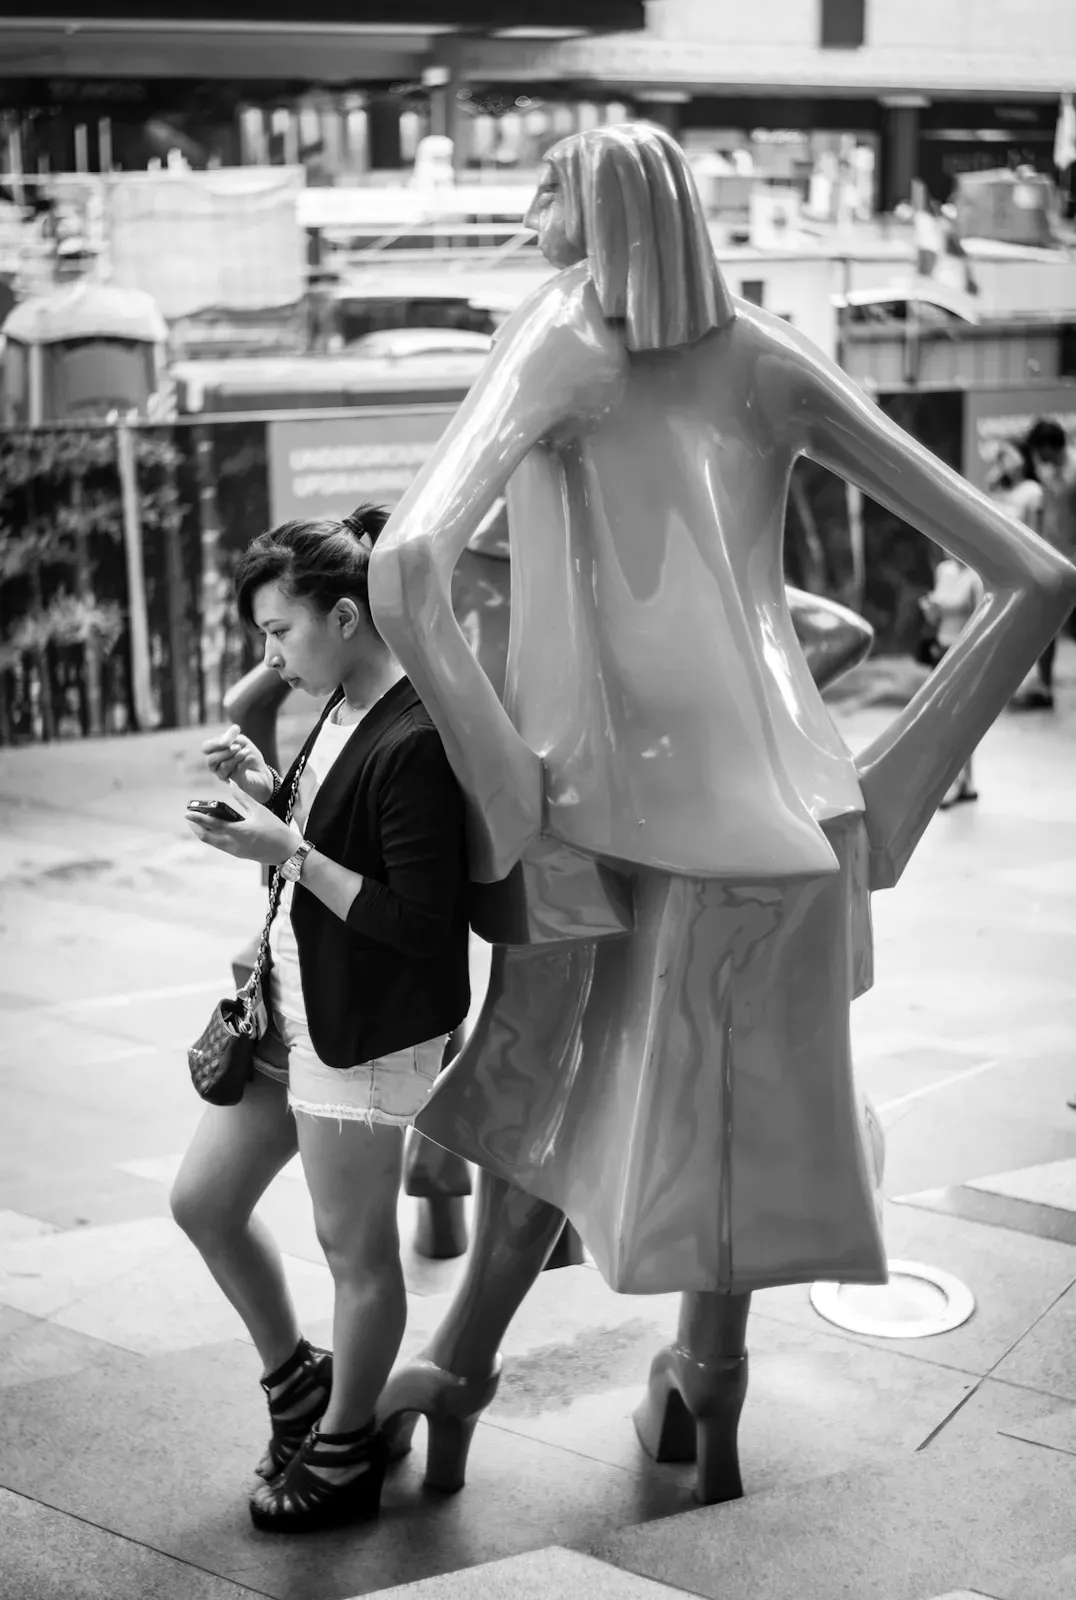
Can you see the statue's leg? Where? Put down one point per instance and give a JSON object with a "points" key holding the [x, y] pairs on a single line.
{"points": [[568, 1251], [697, 1389], [440, 1181], [456, 1377]]}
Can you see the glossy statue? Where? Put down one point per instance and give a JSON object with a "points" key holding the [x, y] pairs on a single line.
{"points": [[833, 640], [679, 847]]}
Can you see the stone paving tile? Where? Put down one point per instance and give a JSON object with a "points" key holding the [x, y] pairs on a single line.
{"points": [[920, 1528], [934, 1143], [138, 1285], [553, 1574], [1055, 1429], [15, 1227], [32, 1349], [1015, 1280], [50, 1556], [173, 1441], [815, 1404], [992, 1409], [1043, 1359], [83, 1194], [1051, 1184]]}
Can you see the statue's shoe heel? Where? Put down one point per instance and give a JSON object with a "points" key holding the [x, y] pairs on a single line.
{"points": [[691, 1412], [440, 1181], [447, 1449], [452, 1407], [441, 1234]]}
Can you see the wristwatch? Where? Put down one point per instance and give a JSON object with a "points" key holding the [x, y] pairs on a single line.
{"points": [[293, 866]]}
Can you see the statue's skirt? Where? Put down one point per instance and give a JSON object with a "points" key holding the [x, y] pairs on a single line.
{"points": [[684, 1091]]}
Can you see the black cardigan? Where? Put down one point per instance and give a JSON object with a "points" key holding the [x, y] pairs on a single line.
{"points": [[396, 972]]}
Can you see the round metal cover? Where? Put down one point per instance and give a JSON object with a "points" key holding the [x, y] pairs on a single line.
{"points": [[917, 1302]]}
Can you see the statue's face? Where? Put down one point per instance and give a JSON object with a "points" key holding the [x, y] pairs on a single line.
{"points": [[547, 216]]}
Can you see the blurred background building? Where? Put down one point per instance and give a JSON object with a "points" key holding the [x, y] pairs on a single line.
{"points": [[251, 257], [930, 90]]}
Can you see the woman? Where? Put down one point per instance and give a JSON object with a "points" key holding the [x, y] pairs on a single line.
{"points": [[948, 608], [369, 975], [682, 1087]]}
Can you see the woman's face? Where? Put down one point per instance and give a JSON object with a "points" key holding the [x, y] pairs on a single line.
{"points": [[310, 649], [548, 217]]}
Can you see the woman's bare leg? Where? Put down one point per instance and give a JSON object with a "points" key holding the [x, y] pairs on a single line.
{"points": [[235, 1154], [697, 1390], [354, 1171]]}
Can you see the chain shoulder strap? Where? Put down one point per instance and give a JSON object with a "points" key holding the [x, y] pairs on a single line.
{"points": [[249, 992]]}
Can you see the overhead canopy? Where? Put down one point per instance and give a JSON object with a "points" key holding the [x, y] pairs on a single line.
{"points": [[326, 41]]}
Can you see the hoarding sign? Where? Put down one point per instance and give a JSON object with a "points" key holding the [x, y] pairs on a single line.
{"points": [[993, 417], [325, 467]]}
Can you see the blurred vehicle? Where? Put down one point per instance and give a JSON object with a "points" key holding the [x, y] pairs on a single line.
{"points": [[930, 304], [1020, 207], [401, 344], [299, 383], [375, 300]]}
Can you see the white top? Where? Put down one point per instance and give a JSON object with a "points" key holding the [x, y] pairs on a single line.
{"points": [[956, 593], [285, 985], [1022, 500]]}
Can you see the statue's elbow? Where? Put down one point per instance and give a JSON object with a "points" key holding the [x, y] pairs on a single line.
{"points": [[401, 578], [1061, 583]]}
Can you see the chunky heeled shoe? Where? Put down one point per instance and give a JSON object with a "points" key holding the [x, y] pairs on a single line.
{"points": [[301, 1500], [304, 1382], [451, 1406], [692, 1413]]}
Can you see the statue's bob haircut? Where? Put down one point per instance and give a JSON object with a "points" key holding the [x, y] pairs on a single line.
{"points": [[632, 207]]}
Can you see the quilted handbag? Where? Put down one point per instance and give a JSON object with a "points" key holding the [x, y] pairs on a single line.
{"points": [[221, 1060]]}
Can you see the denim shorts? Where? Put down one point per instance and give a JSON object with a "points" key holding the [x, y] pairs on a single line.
{"points": [[389, 1089]]}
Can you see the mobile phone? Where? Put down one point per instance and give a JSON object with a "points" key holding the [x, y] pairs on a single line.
{"points": [[215, 809]]}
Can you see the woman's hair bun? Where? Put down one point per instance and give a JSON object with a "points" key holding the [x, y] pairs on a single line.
{"points": [[366, 522]]}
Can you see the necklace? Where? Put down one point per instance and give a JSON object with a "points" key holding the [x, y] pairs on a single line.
{"points": [[337, 719]]}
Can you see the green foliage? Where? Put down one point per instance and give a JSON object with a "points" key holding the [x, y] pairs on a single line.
{"points": [[62, 570]]}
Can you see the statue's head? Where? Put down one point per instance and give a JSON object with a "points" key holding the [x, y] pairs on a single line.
{"points": [[624, 199]]}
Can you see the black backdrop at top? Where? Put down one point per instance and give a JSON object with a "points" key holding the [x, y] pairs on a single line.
{"points": [[483, 14]]}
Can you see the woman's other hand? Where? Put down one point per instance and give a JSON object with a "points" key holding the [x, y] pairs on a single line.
{"points": [[234, 759], [259, 835]]}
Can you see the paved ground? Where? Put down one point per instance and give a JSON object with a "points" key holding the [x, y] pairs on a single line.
{"points": [[131, 1414]]}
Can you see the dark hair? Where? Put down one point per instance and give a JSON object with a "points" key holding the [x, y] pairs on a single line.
{"points": [[1046, 437], [321, 561]]}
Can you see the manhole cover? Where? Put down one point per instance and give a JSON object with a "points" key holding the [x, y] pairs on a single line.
{"points": [[917, 1302]]}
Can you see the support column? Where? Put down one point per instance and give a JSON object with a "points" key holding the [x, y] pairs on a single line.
{"points": [[667, 110], [900, 153], [444, 80], [383, 132]]}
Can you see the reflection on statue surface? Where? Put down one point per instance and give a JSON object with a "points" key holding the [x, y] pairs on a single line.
{"points": [[678, 846]]}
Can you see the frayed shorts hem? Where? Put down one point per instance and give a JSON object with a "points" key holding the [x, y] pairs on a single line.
{"points": [[388, 1090], [344, 1113]]}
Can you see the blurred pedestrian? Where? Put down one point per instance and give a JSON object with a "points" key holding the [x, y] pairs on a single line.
{"points": [[1053, 462], [948, 609], [1014, 487], [368, 976]]}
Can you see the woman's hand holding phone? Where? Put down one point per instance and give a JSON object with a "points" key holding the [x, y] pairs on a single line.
{"points": [[259, 835], [232, 758]]}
